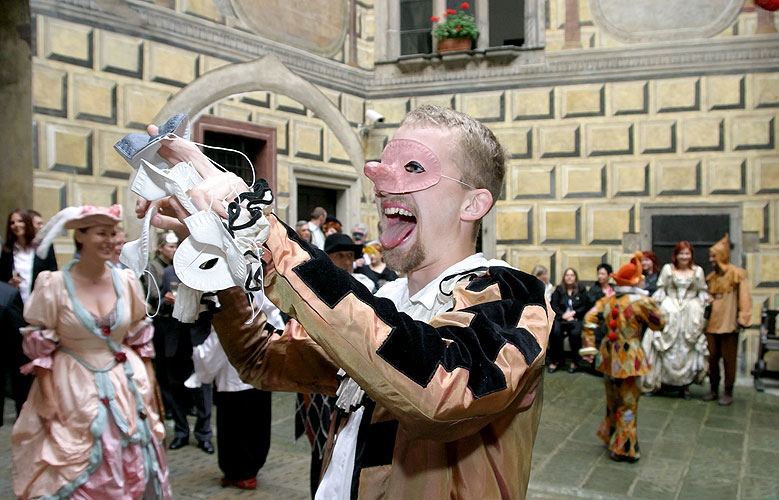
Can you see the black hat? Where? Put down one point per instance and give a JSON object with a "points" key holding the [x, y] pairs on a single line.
{"points": [[339, 242]]}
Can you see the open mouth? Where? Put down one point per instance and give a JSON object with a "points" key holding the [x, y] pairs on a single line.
{"points": [[400, 224]]}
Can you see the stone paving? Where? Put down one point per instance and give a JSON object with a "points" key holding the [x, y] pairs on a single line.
{"points": [[690, 450]]}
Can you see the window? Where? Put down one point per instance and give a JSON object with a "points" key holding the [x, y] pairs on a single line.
{"points": [[506, 28], [415, 26]]}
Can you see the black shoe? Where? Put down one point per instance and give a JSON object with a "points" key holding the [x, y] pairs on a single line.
{"points": [[622, 458], [206, 446], [179, 442], [572, 369], [552, 367]]}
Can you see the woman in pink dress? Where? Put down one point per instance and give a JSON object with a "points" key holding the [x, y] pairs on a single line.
{"points": [[89, 429]]}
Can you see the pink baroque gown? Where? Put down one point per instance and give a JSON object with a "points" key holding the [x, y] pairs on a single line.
{"points": [[109, 442]]}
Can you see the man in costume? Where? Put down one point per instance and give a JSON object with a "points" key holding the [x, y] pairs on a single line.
{"points": [[620, 357], [731, 310], [438, 392]]}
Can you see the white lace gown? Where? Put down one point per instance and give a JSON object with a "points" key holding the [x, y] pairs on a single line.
{"points": [[678, 355]]}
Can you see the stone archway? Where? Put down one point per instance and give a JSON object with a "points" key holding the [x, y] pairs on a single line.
{"points": [[266, 73]]}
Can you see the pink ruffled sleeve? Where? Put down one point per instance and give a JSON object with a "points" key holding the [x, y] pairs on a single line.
{"points": [[40, 338], [140, 338]]}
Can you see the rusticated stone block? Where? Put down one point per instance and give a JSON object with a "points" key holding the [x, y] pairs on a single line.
{"points": [[754, 132], [517, 141], [606, 223], [532, 104], [335, 150], [353, 109], [559, 224], [282, 131], [727, 176], [584, 100], [756, 217], [485, 107], [680, 94], [442, 100], [534, 181], [211, 63], [630, 179], [767, 269], [725, 92], [585, 262], [583, 180], [49, 91], [261, 99], [558, 141], [141, 104], [526, 260], [393, 110], [50, 195], [766, 175], [657, 136], [605, 139], [110, 164], [95, 194], [120, 54], [67, 42], [703, 134], [235, 112], [284, 103], [68, 148], [678, 177], [202, 8], [172, 66], [307, 140], [514, 224], [765, 90], [629, 98], [94, 99]]}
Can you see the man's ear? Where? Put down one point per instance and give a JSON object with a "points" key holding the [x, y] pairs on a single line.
{"points": [[476, 205]]}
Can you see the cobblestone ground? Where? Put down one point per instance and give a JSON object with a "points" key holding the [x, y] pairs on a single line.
{"points": [[690, 450]]}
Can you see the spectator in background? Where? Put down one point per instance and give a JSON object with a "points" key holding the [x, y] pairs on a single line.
{"points": [[19, 264], [303, 230], [332, 226], [343, 252], [731, 310], [377, 270], [316, 224], [12, 382], [601, 288], [120, 240], [678, 353], [569, 302], [650, 266], [359, 232], [37, 220], [542, 273]]}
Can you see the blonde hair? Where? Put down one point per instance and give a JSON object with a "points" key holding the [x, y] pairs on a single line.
{"points": [[478, 154]]}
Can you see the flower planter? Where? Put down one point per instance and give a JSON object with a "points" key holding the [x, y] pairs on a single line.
{"points": [[453, 44]]}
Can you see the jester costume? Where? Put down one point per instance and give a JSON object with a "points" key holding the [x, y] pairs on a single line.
{"points": [[621, 358]]}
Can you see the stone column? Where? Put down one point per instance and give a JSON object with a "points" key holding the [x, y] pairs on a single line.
{"points": [[16, 103], [572, 33]]}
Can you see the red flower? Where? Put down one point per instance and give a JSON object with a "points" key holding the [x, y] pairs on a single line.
{"points": [[459, 28], [450, 11], [142, 414], [104, 401], [435, 19], [105, 331], [637, 364], [612, 336], [120, 357], [613, 324], [614, 312], [465, 5]]}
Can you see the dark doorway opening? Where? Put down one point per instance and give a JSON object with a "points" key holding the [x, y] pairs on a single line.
{"points": [[310, 197], [702, 231]]}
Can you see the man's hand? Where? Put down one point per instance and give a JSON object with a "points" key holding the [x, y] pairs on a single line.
{"points": [[15, 281], [169, 298], [569, 315]]}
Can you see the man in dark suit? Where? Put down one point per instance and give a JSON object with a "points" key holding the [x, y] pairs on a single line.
{"points": [[179, 338], [14, 384]]}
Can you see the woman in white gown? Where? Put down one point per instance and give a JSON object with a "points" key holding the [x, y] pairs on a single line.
{"points": [[678, 354]]}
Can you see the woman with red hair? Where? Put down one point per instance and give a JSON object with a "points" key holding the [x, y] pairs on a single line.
{"points": [[650, 265], [678, 353]]}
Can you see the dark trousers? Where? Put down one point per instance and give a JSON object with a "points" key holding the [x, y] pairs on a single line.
{"points": [[725, 346], [179, 369], [243, 428], [561, 329]]}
